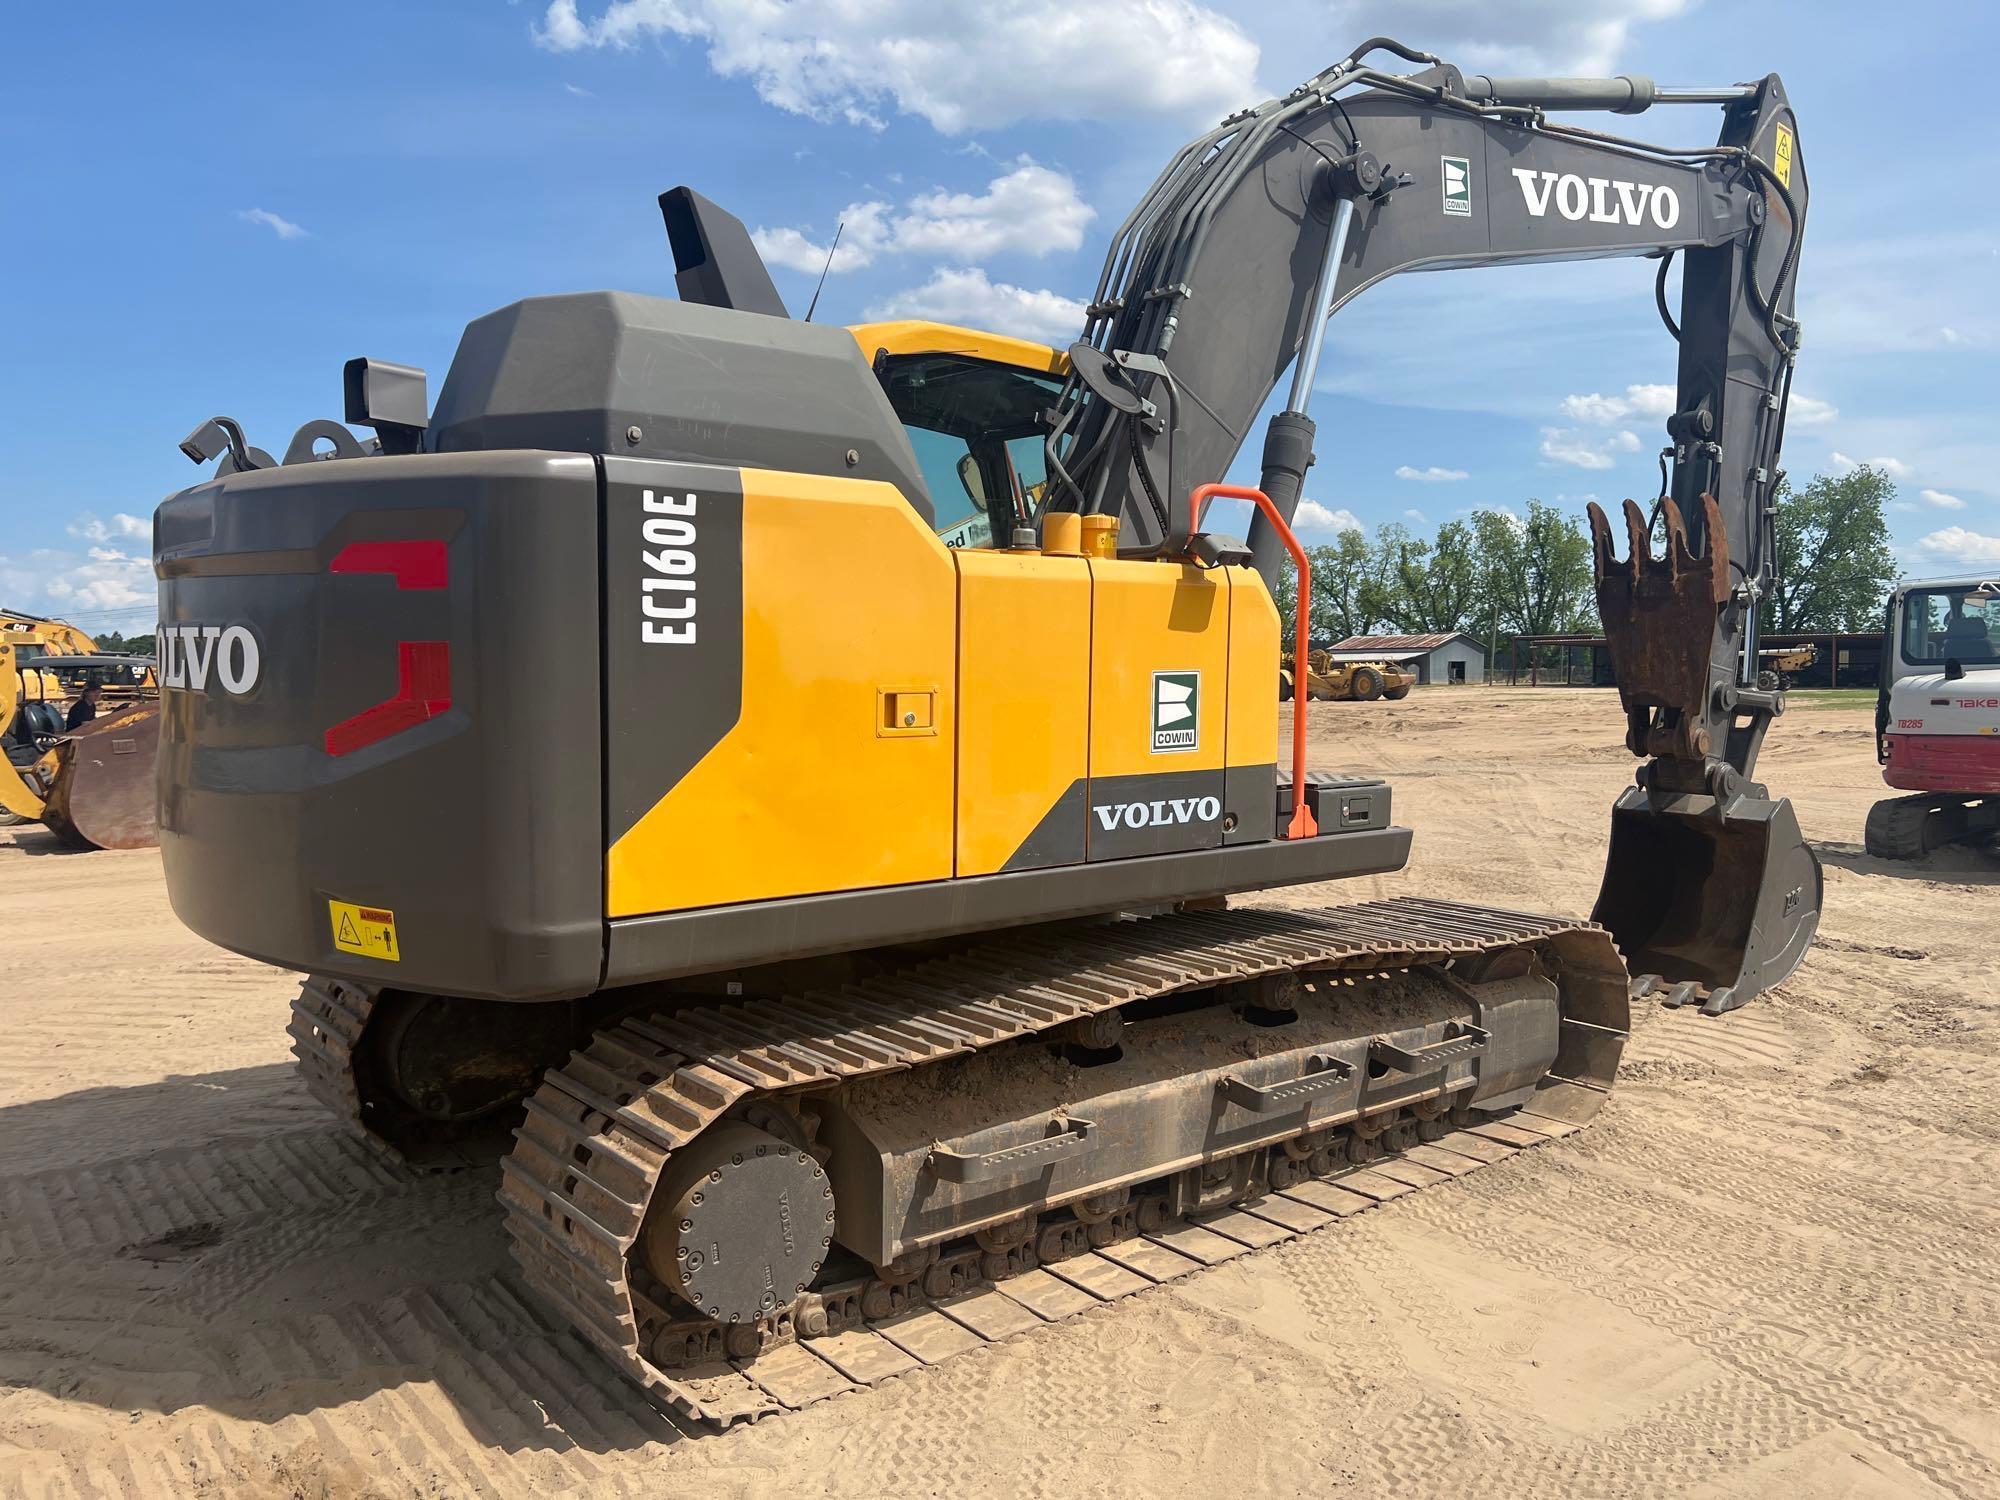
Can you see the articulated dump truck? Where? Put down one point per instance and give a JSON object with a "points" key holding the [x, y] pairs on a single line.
{"points": [[836, 918]]}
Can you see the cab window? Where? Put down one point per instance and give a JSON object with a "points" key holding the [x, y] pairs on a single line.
{"points": [[1957, 624], [977, 431]]}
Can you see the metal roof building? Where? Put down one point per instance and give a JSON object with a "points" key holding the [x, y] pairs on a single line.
{"points": [[1444, 656]]}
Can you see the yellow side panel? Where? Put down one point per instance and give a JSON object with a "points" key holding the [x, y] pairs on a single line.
{"points": [[1023, 705], [909, 336], [849, 627], [1254, 651], [1148, 618]]}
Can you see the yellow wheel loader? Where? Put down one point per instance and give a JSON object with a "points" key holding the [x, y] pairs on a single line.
{"points": [[790, 778], [93, 786]]}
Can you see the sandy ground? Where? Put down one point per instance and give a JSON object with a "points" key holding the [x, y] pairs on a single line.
{"points": [[1770, 1268]]}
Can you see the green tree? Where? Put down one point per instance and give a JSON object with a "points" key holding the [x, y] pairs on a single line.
{"points": [[1379, 586], [1438, 582], [1339, 579], [1536, 571], [1834, 567]]}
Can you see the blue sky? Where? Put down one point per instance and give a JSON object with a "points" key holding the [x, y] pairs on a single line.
{"points": [[211, 218]]}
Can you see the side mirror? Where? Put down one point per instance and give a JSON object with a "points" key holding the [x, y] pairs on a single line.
{"points": [[1953, 669], [970, 477]]}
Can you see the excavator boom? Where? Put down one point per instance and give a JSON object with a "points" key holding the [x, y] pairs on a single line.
{"points": [[1225, 273]]}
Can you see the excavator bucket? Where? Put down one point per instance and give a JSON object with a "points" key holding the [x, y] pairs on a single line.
{"points": [[1710, 894], [103, 793], [1705, 907]]}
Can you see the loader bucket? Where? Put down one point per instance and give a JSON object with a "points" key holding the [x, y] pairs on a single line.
{"points": [[1705, 907], [103, 794]]}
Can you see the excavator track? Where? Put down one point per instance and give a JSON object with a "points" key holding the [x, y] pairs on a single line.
{"points": [[600, 1131]]}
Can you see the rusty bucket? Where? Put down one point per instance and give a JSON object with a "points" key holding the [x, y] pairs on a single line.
{"points": [[103, 793], [1707, 907]]}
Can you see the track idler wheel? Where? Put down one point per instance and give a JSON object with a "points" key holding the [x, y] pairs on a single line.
{"points": [[451, 1062], [740, 1223]]}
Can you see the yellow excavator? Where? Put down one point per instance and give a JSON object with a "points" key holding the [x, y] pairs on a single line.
{"points": [[93, 786], [792, 778]]}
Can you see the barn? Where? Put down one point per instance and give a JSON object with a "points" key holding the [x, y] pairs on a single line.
{"points": [[1448, 656]]}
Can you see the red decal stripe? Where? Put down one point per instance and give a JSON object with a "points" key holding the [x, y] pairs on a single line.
{"points": [[424, 693], [417, 565]]}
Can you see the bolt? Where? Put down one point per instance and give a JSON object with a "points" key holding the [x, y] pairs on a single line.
{"points": [[760, 1150], [680, 1252], [853, 457], [909, 720], [633, 434], [736, 1160], [686, 1224], [716, 1175], [696, 1200]]}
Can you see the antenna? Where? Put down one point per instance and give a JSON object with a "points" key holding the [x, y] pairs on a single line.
{"points": [[825, 268]]}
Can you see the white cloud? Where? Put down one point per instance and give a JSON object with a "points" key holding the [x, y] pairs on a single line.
{"points": [[1031, 209], [1431, 475], [959, 64], [1860, 298], [1565, 445], [864, 234], [90, 529], [1895, 468], [1606, 411], [1941, 500], [1418, 516], [1657, 402], [1312, 516], [1956, 544], [62, 583], [968, 298], [283, 228], [579, 92], [1546, 36]]}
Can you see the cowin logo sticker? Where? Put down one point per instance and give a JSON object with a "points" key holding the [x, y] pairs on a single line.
{"points": [[1176, 712], [1602, 200], [667, 600], [1457, 175], [1158, 814], [192, 656]]}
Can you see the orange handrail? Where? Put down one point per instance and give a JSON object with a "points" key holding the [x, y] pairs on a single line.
{"points": [[1302, 825]]}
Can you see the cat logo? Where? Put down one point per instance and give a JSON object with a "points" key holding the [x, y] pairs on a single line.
{"points": [[1457, 178], [1176, 711]]}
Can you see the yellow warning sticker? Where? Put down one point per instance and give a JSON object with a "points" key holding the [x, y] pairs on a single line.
{"points": [[1781, 152], [367, 930]]}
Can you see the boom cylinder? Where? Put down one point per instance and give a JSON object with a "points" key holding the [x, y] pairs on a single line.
{"points": [[1288, 442], [1627, 94]]}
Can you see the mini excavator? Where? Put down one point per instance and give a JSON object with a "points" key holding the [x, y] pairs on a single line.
{"points": [[792, 776]]}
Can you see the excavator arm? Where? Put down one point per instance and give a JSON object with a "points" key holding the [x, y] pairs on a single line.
{"points": [[1224, 275]]}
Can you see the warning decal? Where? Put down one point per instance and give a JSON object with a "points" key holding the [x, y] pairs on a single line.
{"points": [[1781, 152], [367, 930]]}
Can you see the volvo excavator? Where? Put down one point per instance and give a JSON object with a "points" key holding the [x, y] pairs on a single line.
{"points": [[793, 777]]}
